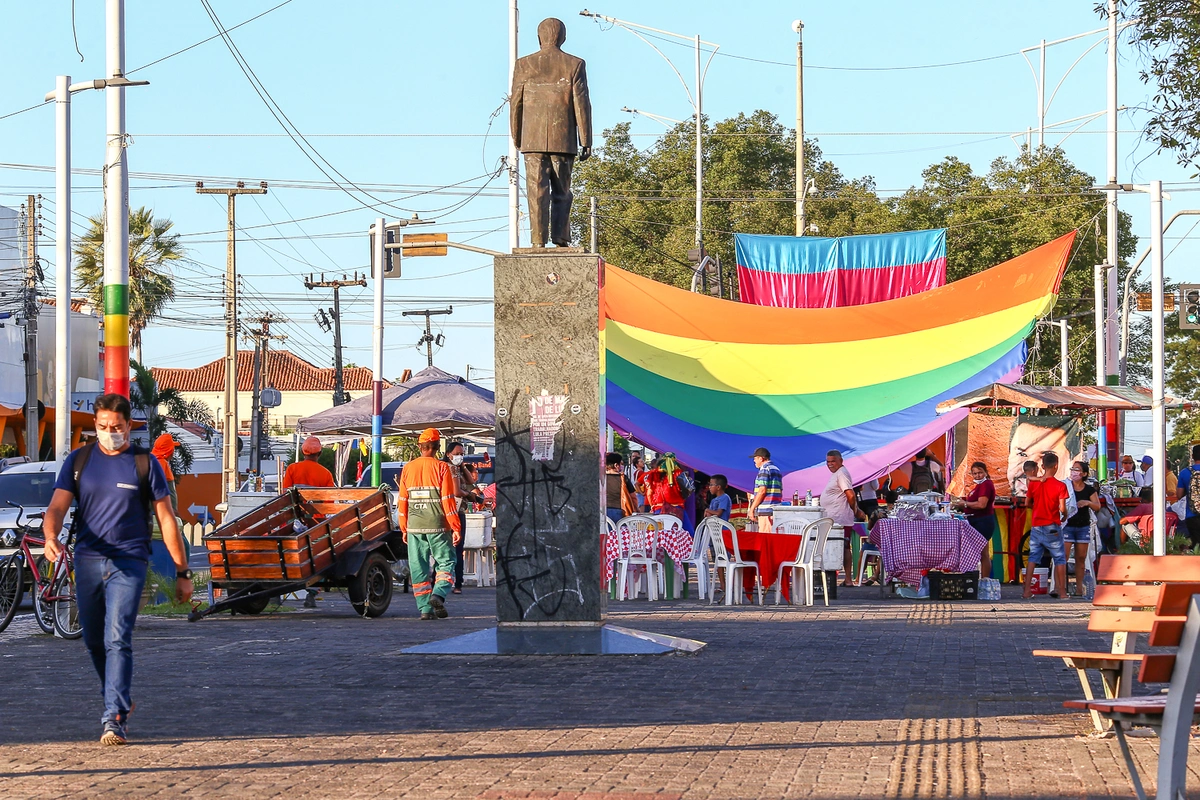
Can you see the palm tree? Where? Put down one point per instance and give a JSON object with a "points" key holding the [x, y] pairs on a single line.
{"points": [[145, 395], [152, 247]]}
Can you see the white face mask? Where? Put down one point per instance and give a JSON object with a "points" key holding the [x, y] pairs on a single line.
{"points": [[456, 460], [111, 440]]}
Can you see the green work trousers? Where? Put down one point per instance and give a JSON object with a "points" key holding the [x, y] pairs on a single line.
{"points": [[426, 581]]}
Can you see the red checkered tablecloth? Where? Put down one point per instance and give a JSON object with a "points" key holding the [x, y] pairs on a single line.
{"points": [[911, 546], [673, 541]]}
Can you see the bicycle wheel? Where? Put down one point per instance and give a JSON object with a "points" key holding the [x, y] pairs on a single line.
{"points": [[43, 607], [66, 609], [12, 585]]}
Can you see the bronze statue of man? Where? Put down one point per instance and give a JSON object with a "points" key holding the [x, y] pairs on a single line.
{"points": [[550, 115]]}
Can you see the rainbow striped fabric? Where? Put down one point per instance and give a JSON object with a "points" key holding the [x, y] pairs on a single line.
{"points": [[712, 379], [820, 272]]}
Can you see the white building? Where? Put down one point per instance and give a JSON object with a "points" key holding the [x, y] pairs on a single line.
{"points": [[304, 388]]}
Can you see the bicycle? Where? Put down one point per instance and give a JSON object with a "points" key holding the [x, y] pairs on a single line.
{"points": [[53, 585]]}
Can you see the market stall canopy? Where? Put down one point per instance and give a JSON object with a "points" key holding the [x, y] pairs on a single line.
{"points": [[1069, 398], [432, 398]]}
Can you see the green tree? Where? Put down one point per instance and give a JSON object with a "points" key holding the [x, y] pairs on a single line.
{"points": [[152, 248], [1021, 203], [1167, 34], [159, 405], [646, 199]]}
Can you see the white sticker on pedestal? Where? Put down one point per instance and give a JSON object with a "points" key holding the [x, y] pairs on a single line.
{"points": [[544, 423]]}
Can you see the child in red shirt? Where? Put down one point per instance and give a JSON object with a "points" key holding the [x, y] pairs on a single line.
{"points": [[1048, 500]]}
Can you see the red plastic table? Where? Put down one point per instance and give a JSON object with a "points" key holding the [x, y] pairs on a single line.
{"points": [[769, 550]]}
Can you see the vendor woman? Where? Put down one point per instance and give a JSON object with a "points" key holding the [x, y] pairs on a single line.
{"points": [[978, 506]]}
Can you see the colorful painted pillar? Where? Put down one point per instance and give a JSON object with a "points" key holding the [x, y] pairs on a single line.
{"points": [[377, 388], [116, 211]]}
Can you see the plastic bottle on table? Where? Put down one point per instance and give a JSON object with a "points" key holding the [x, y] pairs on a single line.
{"points": [[796, 498], [808, 500]]}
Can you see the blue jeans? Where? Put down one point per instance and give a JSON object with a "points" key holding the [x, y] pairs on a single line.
{"points": [[108, 590], [615, 514], [1046, 539]]}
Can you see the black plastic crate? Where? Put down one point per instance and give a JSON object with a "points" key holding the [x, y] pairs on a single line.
{"points": [[953, 585]]}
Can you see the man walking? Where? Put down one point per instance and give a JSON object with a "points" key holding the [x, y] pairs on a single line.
{"points": [[116, 486], [1189, 489], [428, 513]]}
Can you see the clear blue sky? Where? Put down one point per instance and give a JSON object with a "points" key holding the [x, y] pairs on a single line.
{"points": [[400, 94]]}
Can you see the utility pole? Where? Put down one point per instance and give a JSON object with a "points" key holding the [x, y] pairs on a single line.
{"points": [[116, 209], [262, 340], [32, 441], [229, 482], [801, 181], [428, 339], [62, 268], [340, 396], [594, 238], [514, 175]]}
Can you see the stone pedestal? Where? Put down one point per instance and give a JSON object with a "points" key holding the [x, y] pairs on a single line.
{"points": [[549, 433], [549, 465]]}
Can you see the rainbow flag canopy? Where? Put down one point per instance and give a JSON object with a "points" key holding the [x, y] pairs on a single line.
{"points": [[823, 272], [713, 379]]}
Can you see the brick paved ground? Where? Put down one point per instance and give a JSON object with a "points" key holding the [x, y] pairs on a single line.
{"points": [[867, 698]]}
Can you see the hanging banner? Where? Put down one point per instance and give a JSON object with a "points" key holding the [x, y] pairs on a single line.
{"points": [[823, 272]]}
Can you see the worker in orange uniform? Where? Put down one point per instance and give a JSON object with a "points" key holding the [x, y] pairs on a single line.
{"points": [[430, 524], [164, 448], [307, 472]]}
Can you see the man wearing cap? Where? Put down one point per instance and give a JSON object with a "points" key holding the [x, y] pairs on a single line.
{"points": [[768, 489], [428, 510], [1145, 475], [164, 448], [306, 471]]}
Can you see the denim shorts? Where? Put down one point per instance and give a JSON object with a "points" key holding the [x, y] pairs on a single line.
{"points": [[1079, 535], [1046, 538]]}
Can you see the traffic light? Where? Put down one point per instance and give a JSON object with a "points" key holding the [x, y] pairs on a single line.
{"points": [[1189, 308]]}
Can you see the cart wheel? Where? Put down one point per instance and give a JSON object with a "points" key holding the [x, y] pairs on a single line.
{"points": [[371, 589], [253, 606]]}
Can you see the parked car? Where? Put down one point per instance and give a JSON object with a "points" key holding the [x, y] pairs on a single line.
{"points": [[29, 485], [391, 474]]}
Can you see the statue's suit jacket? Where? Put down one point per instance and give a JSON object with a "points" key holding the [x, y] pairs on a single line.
{"points": [[549, 110]]}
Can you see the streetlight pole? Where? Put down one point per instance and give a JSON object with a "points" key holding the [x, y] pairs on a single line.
{"points": [[1157, 340], [62, 267], [1111, 364], [699, 150], [63, 89], [801, 183], [697, 99]]}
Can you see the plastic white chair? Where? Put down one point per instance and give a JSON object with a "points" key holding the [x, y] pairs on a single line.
{"points": [[732, 563], [699, 558], [802, 567], [640, 552], [870, 551]]}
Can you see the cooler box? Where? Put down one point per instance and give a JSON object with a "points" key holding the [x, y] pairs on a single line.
{"points": [[479, 530]]}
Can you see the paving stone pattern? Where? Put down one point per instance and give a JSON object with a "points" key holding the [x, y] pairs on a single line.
{"points": [[864, 699]]}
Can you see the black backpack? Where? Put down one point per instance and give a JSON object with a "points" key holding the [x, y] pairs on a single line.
{"points": [[141, 461]]}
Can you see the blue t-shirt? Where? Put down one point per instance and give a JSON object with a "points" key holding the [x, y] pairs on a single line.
{"points": [[721, 503], [112, 520], [1182, 486]]}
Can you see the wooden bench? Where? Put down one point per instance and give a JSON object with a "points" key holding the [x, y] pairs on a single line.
{"points": [[1175, 623], [1124, 586]]}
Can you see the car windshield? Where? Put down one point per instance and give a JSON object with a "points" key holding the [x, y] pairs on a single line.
{"points": [[390, 474], [28, 489]]}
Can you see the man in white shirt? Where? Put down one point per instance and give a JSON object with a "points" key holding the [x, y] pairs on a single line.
{"points": [[1145, 476], [837, 501]]}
